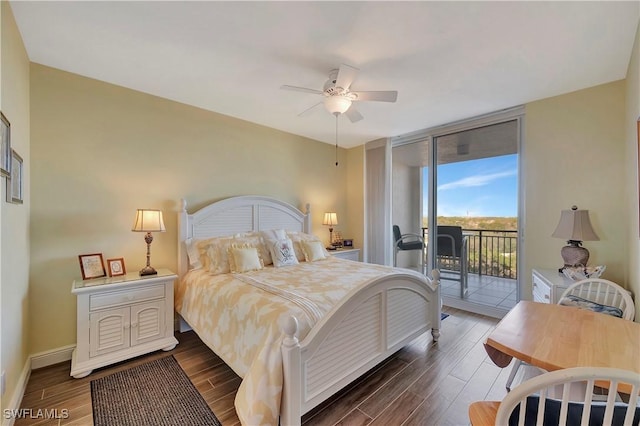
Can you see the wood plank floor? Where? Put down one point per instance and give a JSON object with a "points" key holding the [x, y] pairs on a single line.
{"points": [[422, 384]]}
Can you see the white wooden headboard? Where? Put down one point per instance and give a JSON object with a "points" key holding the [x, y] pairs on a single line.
{"points": [[237, 214]]}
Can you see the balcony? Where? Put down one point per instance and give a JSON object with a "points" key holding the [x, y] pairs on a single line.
{"points": [[492, 270]]}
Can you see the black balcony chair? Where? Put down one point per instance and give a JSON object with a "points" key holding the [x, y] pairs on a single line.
{"points": [[407, 242], [452, 257]]}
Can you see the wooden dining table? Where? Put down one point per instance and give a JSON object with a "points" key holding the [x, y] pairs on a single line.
{"points": [[555, 337]]}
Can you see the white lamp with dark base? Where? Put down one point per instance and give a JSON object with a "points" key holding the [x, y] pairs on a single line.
{"points": [[575, 227]]}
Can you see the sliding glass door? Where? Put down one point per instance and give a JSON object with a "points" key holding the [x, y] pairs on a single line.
{"points": [[457, 188]]}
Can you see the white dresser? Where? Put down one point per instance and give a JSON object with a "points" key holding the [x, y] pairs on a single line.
{"points": [[122, 317], [548, 285], [349, 254]]}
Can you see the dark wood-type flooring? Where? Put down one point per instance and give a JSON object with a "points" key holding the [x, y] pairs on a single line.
{"points": [[422, 384]]}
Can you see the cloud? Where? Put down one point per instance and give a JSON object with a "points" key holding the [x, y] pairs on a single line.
{"points": [[476, 180]]}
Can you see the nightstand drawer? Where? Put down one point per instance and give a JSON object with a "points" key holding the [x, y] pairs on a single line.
{"points": [[541, 291], [122, 297]]}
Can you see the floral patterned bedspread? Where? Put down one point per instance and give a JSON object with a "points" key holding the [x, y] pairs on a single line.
{"points": [[240, 317]]}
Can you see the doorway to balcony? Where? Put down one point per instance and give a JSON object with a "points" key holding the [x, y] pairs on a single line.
{"points": [[463, 180]]}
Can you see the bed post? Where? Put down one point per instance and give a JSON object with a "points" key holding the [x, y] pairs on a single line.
{"points": [[183, 224], [291, 404], [307, 218], [437, 320]]}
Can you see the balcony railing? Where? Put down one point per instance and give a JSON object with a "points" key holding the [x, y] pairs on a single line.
{"points": [[492, 252]]}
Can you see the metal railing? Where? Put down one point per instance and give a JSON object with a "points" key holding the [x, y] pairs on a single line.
{"points": [[492, 252]]}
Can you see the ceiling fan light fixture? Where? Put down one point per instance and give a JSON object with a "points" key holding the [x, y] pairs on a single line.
{"points": [[337, 104]]}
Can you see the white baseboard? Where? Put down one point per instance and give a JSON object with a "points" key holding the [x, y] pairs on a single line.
{"points": [[35, 361], [54, 356], [16, 398]]}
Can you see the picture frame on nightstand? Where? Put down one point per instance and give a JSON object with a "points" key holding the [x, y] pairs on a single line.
{"points": [[92, 266], [116, 267], [347, 243]]}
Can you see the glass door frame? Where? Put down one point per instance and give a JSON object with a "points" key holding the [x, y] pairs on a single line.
{"points": [[428, 135]]}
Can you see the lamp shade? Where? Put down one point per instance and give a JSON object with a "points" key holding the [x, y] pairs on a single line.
{"points": [[575, 225], [148, 220], [330, 219]]}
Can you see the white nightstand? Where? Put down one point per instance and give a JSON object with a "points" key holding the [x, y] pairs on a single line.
{"points": [[548, 285], [349, 254], [122, 317]]}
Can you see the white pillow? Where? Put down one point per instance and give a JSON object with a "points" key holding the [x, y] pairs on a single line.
{"points": [[282, 252], [313, 250], [244, 258]]}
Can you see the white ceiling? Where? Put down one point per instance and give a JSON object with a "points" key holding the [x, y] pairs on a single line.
{"points": [[447, 60]]}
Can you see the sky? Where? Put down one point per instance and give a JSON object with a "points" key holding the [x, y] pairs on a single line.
{"points": [[477, 188]]}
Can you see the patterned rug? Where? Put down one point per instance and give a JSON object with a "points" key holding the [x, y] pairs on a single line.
{"points": [[157, 393]]}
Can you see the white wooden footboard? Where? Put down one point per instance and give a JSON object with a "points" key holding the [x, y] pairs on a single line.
{"points": [[355, 336]]}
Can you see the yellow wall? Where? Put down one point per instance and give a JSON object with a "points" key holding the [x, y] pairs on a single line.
{"points": [[574, 153], [14, 262], [631, 166], [101, 151]]}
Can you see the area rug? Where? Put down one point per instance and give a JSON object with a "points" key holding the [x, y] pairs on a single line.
{"points": [[157, 393]]}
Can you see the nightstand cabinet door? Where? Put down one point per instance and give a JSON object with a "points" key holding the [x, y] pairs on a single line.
{"points": [[147, 322], [109, 331], [120, 318]]}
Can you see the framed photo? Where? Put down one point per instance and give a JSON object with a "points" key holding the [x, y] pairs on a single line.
{"points": [[5, 151], [347, 243], [116, 267], [14, 182], [92, 266]]}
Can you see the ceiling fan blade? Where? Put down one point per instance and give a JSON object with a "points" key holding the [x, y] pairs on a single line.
{"points": [[381, 96], [353, 114], [308, 110], [301, 89], [346, 75]]}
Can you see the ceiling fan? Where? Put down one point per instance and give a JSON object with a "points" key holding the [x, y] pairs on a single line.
{"points": [[339, 99]]}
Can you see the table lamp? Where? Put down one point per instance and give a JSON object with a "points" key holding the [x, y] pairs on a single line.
{"points": [[330, 219], [575, 227], [148, 220]]}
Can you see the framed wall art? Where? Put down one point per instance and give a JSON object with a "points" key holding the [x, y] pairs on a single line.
{"points": [[116, 267], [14, 181], [5, 150], [92, 266]]}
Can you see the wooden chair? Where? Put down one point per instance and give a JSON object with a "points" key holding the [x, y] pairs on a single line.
{"points": [[594, 294], [536, 396]]}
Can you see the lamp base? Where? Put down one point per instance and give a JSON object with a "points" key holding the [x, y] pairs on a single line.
{"points": [[148, 270], [574, 255]]}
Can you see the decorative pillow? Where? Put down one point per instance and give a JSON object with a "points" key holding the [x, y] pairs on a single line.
{"points": [[313, 250], [256, 240], [282, 252], [217, 251], [244, 258], [297, 238], [579, 302]]}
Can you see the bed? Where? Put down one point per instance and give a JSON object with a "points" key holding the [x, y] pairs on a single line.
{"points": [[303, 347]]}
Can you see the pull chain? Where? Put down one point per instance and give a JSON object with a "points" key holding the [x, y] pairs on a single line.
{"points": [[336, 139]]}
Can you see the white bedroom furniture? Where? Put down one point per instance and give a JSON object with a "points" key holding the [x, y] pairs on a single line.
{"points": [[383, 315], [122, 317], [349, 254], [548, 285]]}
